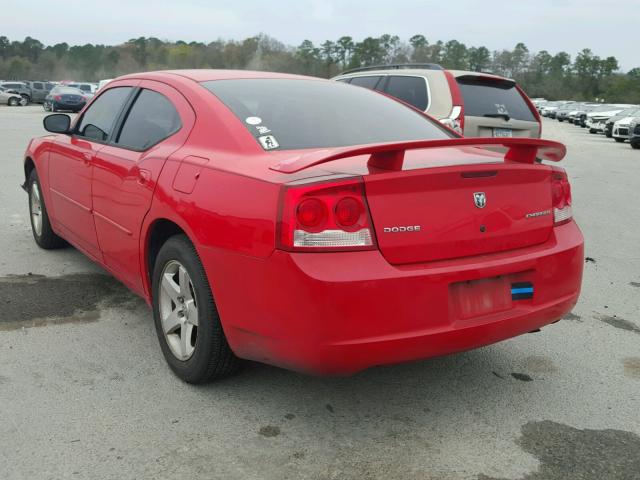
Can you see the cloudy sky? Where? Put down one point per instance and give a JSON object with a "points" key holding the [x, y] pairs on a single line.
{"points": [[553, 25]]}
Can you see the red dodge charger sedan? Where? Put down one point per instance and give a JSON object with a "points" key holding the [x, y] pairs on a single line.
{"points": [[305, 223]]}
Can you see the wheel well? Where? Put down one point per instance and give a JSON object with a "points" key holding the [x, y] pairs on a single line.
{"points": [[28, 167], [161, 231]]}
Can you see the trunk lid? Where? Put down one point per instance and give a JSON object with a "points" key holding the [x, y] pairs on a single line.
{"points": [[448, 212]]}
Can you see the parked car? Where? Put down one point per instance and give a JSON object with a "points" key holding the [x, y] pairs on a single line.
{"points": [[39, 90], [608, 126], [20, 88], [549, 110], [579, 117], [262, 242], [65, 98], [595, 121], [102, 83], [634, 133], [620, 131], [10, 98], [475, 104], [562, 113], [577, 110]]}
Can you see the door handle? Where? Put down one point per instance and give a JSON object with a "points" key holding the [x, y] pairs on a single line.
{"points": [[87, 157]]}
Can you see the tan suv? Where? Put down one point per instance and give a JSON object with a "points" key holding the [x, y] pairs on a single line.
{"points": [[473, 103]]}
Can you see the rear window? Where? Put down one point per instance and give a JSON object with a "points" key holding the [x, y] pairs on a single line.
{"points": [[290, 114], [412, 90], [488, 97]]}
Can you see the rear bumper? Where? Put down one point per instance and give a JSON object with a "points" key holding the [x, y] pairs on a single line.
{"points": [[343, 312], [68, 106]]}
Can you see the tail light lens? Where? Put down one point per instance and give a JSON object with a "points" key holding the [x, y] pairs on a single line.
{"points": [[329, 216], [57, 97], [455, 120], [561, 197]]}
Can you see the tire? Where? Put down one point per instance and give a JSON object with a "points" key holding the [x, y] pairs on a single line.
{"points": [[608, 134], [13, 102], [635, 145], [25, 100], [560, 120], [43, 234], [46, 107], [593, 131], [620, 140], [207, 357]]}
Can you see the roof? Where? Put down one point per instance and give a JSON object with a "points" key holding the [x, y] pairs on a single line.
{"points": [[203, 75]]}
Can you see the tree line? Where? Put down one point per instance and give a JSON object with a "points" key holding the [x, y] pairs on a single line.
{"points": [[542, 74]]}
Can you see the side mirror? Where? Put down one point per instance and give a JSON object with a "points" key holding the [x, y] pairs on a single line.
{"points": [[57, 123]]}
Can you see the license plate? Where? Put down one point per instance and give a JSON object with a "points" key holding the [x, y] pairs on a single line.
{"points": [[502, 132], [480, 297]]}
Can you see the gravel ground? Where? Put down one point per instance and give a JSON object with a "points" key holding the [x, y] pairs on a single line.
{"points": [[86, 394]]}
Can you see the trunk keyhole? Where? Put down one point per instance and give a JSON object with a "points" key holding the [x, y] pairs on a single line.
{"points": [[483, 228]]}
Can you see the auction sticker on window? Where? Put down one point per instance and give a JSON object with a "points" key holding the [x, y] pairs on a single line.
{"points": [[268, 142], [253, 120]]}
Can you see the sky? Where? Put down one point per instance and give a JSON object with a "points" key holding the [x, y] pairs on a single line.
{"points": [[553, 25]]}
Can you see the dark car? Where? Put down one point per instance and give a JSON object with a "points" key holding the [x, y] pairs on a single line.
{"points": [[580, 117], [562, 113], [65, 98], [634, 133], [39, 90], [630, 112], [21, 88]]}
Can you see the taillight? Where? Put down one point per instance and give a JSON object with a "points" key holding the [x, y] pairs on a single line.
{"points": [[58, 98], [329, 216], [455, 120], [561, 197]]}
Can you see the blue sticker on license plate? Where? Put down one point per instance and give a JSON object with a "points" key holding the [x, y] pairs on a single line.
{"points": [[521, 290]]}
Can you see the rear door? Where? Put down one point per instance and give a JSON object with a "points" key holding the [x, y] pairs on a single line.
{"points": [[496, 107], [155, 125], [38, 92]]}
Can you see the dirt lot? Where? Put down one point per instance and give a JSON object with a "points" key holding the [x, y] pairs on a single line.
{"points": [[85, 392]]}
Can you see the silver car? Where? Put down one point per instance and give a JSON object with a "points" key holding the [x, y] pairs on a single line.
{"points": [[10, 98]]}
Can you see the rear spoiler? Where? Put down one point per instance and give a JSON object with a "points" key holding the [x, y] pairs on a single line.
{"points": [[390, 156]]}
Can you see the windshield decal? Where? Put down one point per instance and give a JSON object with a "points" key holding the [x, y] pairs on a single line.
{"points": [[253, 120], [268, 142]]}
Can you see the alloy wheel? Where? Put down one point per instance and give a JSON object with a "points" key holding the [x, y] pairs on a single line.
{"points": [[36, 209], [178, 310]]}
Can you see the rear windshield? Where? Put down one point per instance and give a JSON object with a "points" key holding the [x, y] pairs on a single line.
{"points": [[290, 114], [66, 91], [489, 97]]}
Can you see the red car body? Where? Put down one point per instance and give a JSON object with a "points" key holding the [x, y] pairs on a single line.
{"points": [[436, 275]]}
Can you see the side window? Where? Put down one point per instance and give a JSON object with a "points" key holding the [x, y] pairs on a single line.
{"points": [[152, 118], [412, 90], [366, 82], [84, 87], [38, 85], [97, 122], [344, 80]]}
